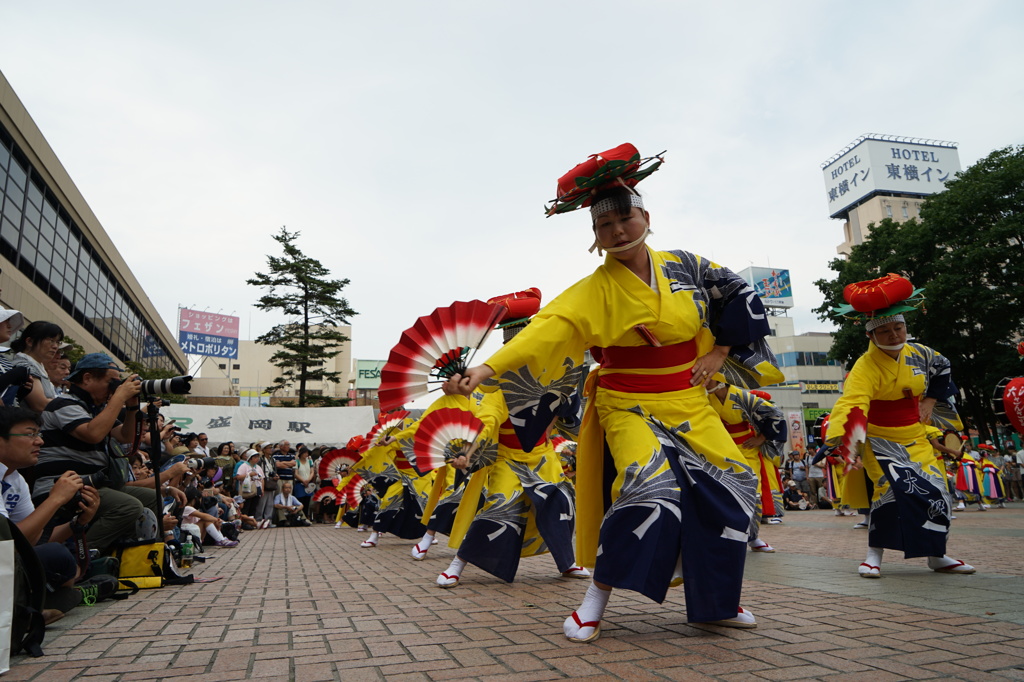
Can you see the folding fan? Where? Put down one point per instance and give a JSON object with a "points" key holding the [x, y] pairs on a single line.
{"points": [[387, 424], [437, 347], [854, 437], [329, 494], [353, 492], [336, 463], [443, 435], [566, 451], [820, 428]]}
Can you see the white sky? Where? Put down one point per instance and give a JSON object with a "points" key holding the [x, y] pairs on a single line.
{"points": [[414, 144]]}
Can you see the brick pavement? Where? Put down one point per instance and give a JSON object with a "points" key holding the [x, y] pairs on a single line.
{"points": [[308, 604]]}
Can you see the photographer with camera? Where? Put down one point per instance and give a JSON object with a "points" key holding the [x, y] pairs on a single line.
{"points": [[20, 441], [76, 429]]}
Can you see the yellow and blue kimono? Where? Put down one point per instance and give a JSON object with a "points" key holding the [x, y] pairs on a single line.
{"points": [[518, 503], [403, 491], [910, 503], [658, 477], [746, 415]]}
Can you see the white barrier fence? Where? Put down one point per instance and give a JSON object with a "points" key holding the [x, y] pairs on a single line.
{"points": [[244, 425]]}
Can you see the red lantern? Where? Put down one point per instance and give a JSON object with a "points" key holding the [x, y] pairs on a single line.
{"points": [[876, 294], [1008, 402]]}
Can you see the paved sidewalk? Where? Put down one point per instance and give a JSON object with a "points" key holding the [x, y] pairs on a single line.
{"points": [[308, 604]]}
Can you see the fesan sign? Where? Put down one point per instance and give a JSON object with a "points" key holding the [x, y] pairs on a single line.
{"points": [[883, 164], [368, 373]]}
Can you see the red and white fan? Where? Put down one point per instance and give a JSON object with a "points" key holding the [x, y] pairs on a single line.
{"points": [[352, 493], [853, 439], [443, 435], [336, 463], [329, 494], [437, 347], [566, 451], [387, 424]]}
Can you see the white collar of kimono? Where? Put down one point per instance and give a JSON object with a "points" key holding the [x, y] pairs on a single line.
{"points": [[616, 249]]}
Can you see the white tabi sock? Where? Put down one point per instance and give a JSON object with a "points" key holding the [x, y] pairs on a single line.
{"points": [[456, 567], [374, 536], [874, 556], [592, 609]]}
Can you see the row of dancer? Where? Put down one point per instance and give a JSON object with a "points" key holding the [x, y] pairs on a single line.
{"points": [[665, 492]]}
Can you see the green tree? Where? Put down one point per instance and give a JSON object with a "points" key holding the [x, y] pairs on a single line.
{"points": [[298, 286], [967, 252]]}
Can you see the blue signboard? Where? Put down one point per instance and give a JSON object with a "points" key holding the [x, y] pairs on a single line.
{"points": [[193, 343], [151, 348]]}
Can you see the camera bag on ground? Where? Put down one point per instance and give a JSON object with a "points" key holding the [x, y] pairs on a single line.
{"points": [[148, 564], [22, 592], [102, 587]]}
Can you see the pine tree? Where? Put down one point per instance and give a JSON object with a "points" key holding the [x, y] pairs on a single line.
{"points": [[298, 286]]}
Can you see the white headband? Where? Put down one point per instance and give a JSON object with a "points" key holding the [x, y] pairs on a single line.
{"points": [[874, 322], [611, 204]]}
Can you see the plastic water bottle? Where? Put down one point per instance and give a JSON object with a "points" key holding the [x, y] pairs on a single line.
{"points": [[187, 550]]}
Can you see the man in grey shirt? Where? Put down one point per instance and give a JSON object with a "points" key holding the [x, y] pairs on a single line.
{"points": [[76, 428]]}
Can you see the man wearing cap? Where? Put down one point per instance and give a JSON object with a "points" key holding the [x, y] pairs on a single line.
{"points": [[76, 428]]}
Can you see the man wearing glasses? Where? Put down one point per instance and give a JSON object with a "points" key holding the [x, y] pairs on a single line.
{"points": [[76, 428], [20, 440]]}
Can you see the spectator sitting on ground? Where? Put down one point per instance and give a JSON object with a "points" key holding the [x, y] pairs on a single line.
{"points": [[34, 349], [794, 498], [76, 428], [288, 509], [199, 523], [58, 370], [170, 477], [19, 381], [20, 441], [202, 447]]}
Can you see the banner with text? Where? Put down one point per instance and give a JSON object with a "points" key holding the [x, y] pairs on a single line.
{"points": [[368, 373], [211, 334], [244, 425]]}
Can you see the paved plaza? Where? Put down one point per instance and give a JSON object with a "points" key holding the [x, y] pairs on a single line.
{"points": [[308, 604]]}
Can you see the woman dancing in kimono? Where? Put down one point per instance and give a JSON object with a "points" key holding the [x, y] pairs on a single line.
{"points": [[402, 503], [528, 503], [759, 430], [663, 493], [892, 392]]}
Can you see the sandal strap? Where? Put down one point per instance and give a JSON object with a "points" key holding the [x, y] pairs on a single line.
{"points": [[588, 624]]}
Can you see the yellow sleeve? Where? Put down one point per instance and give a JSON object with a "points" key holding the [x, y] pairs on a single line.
{"points": [[861, 384]]}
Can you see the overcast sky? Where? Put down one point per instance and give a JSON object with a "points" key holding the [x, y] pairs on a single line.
{"points": [[414, 144]]}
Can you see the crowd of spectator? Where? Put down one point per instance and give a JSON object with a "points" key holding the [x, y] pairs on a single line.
{"points": [[77, 462]]}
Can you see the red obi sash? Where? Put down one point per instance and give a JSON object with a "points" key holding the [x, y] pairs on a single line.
{"points": [[739, 432], [647, 357], [508, 438], [902, 412]]}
